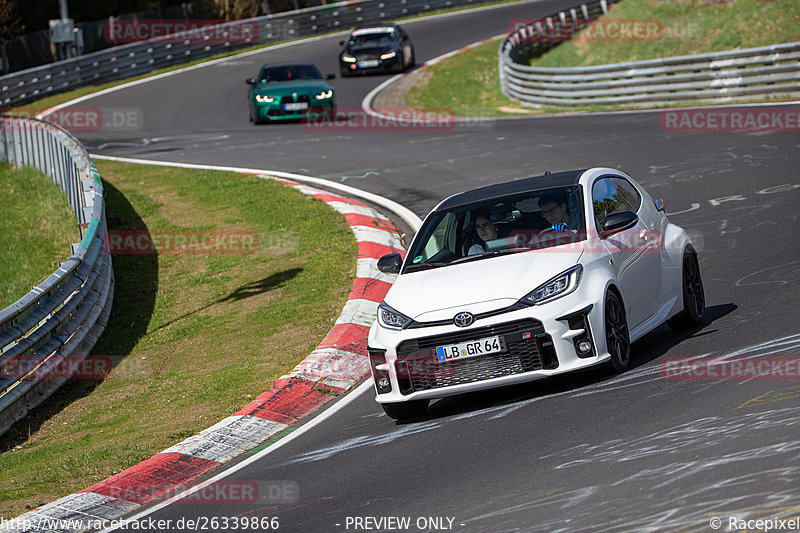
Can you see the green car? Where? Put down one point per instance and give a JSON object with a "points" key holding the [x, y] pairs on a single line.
{"points": [[290, 91]]}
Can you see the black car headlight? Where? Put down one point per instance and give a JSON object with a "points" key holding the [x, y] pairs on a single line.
{"points": [[388, 55], [347, 58], [559, 286], [390, 318]]}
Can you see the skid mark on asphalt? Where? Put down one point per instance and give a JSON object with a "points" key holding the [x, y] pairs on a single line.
{"points": [[776, 395], [633, 378], [780, 274], [364, 440]]}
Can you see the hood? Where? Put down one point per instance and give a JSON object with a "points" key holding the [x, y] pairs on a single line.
{"points": [[477, 286], [289, 87], [371, 49]]}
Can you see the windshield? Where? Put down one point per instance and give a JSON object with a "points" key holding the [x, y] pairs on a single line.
{"points": [[527, 221], [289, 73], [372, 36]]}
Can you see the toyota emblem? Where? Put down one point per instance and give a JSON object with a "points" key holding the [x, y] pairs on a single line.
{"points": [[463, 319]]}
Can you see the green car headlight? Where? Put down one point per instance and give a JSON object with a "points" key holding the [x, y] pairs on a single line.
{"points": [[264, 99], [324, 94]]}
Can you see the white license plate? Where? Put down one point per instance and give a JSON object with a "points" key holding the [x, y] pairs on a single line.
{"points": [[369, 63], [464, 350], [295, 106]]}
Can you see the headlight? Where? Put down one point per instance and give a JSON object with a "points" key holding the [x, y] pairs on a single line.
{"points": [[389, 318], [324, 94], [388, 55], [264, 99], [559, 286], [347, 58]]}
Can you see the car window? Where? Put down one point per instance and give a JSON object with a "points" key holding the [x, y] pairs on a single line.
{"points": [[512, 224], [376, 36], [611, 195], [290, 73], [439, 239]]}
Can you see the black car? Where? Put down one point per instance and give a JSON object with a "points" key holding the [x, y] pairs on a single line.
{"points": [[378, 49]]}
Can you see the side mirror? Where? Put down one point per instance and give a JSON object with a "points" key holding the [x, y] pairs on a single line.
{"points": [[390, 264], [341, 43], [250, 81], [619, 221], [330, 76]]}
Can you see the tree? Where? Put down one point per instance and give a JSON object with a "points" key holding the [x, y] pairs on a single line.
{"points": [[10, 27]]}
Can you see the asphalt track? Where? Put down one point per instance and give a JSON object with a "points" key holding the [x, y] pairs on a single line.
{"points": [[583, 452]]}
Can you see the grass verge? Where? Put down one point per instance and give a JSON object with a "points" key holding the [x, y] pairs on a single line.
{"points": [[689, 27], [36, 229], [193, 336]]}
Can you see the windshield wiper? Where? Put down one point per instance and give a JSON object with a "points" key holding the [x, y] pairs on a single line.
{"points": [[424, 266], [485, 255]]}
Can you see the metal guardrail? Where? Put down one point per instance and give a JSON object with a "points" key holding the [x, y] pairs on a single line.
{"points": [[138, 58], [63, 316], [705, 78]]}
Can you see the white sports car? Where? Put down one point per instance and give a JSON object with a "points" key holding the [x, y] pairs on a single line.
{"points": [[527, 279]]}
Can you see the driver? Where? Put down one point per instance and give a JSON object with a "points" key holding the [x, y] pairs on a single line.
{"points": [[555, 211], [486, 232]]}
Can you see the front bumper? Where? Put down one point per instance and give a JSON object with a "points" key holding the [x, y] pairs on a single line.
{"points": [[394, 64], [540, 341], [276, 112]]}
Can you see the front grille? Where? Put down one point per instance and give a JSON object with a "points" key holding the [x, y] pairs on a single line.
{"points": [[288, 99], [300, 98], [528, 348]]}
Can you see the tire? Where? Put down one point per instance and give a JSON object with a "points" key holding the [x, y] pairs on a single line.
{"points": [[694, 298], [408, 58], [405, 410], [618, 341]]}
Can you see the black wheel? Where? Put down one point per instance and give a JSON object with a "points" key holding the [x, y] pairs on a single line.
{"points": [[404, 410], [618, 339], [694, 298]]}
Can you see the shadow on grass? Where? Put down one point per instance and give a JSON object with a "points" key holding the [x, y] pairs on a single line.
{"points": [[135, 286], [247, 290]]}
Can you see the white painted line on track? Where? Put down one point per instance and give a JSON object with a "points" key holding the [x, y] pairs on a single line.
{"points": [[335, 408], [403, 212], [255, 52], [366, 103]]}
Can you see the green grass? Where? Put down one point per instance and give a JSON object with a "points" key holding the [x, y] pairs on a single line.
{"points": [[192, 335], [468, 84], [476, 91], [689, 27], [36, 229]]}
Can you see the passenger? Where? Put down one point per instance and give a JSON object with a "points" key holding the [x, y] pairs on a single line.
{"points": [[554, 208], [486, 232]]}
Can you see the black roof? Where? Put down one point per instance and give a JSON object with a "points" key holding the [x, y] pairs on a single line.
{"points": [[500, 190]]}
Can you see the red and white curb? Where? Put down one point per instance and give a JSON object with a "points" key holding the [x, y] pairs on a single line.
{"points": [[334, 367]]}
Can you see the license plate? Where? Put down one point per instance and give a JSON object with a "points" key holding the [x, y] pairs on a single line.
{"points": [[369, 63], [464, 350], [295, 106]]}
